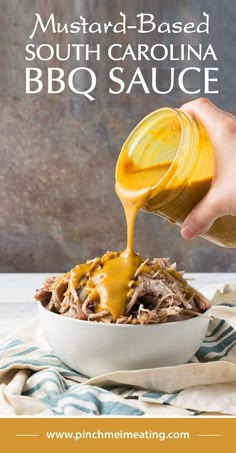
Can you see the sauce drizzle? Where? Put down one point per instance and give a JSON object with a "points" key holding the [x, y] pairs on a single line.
{"points": [[110, 283]]}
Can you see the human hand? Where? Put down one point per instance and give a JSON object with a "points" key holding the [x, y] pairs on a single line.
{"points": [[220, 200]]}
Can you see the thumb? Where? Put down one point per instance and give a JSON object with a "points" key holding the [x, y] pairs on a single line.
{"points": [[202, 216]]}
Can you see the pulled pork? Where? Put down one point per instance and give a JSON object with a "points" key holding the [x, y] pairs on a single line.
{"points": [[159, 296]]}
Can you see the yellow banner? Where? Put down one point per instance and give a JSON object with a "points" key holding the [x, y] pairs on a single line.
{"points": [[117, 434]]}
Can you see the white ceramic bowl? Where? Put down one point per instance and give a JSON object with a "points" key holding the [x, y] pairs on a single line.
{"points": [[98, 348]]}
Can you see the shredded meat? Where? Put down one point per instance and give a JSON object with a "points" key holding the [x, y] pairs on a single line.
{"points": [[157, 296]]}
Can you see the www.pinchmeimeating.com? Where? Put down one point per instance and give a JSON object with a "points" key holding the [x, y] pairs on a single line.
{"points": [[98, 434]]}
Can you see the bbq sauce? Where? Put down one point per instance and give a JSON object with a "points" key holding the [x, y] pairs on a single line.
{"points": [[180, 145], [165, 167], [107, 283], [110, 283]]}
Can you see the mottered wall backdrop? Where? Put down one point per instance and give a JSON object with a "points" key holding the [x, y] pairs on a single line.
{"points": [[58, 152]]}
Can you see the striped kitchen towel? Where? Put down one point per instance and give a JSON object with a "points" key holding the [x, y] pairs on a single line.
{"points": [[33, 381]]}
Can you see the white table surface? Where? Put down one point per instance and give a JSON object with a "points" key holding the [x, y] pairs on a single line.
{"points": [[17, 305]]}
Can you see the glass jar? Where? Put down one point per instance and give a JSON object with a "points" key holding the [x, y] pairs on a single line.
{"points": [[172, 136]]}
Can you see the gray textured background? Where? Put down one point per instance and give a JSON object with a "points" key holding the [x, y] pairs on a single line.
{"points": [[58, 153]]}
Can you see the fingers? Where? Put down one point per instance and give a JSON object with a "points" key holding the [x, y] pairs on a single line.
{"points": [[207, 113], [203, 107], [220, 200], [202, 217]]}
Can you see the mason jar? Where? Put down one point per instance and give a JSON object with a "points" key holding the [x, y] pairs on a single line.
{"points": [[175, 140]]}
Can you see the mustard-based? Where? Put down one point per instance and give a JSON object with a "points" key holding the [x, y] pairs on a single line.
{"points": [[110, 284], [170, 188]]}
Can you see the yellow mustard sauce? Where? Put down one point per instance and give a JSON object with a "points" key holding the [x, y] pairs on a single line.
{"points": [[109, 281]]}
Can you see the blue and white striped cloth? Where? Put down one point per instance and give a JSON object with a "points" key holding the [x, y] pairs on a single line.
{"points": [[34, 381]]}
